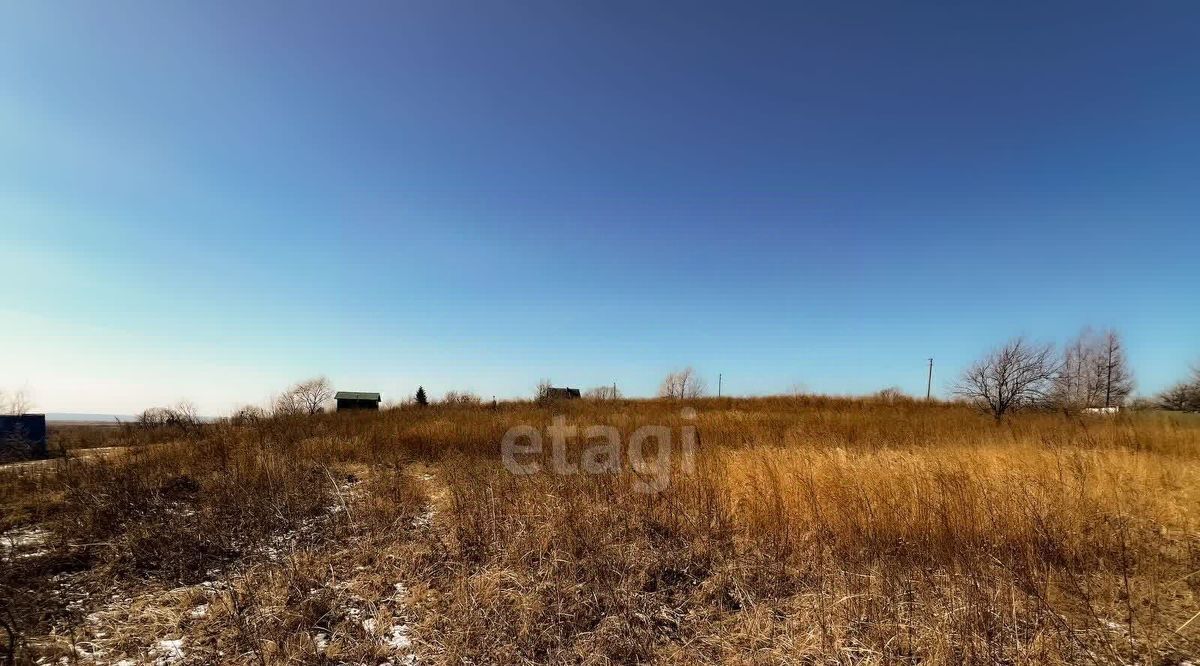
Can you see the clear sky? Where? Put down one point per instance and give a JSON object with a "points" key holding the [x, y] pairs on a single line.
{"points": [[208, 200]]}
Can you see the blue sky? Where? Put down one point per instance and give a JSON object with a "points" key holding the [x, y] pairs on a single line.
{"points": [[209, 200]]}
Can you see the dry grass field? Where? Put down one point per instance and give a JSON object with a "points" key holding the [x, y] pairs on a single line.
{"points": [[808, 530]]}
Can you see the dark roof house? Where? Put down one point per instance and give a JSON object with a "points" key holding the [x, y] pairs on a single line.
{"points": [[562, 393], [356, 400]]}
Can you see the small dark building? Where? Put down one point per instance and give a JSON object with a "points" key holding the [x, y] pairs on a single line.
{"points": [[356, 400], [23, 436], [562, 393]]}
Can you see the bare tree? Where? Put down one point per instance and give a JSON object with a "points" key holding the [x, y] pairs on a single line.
{"points": [[306, 397], [1016, 375], [313, 394], [16, 404], [603, 393], [542, 392], [181, 415], [247, 415], [1076, 385], [1113, 369], [1184, 396], [465, 398], [891, 395], [1094, 372], [285, 404], [152, 417], [682, 384]]}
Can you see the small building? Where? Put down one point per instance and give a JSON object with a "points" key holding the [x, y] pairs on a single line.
{"points": [[23, 436], [347, 400], [564, 393]]}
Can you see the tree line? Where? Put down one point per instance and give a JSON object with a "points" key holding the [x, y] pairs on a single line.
{"points": [[1091, 372]]}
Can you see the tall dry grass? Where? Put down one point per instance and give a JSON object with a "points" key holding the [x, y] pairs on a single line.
{"points": [[812, 529], [820, 529]]}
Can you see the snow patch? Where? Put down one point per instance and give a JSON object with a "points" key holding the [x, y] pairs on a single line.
{"points": [[168, 651], [30, 536], [397, 637], [425, 519]]}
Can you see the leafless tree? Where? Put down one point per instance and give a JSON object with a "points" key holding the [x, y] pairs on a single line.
{"points": [[1076, 386], [247, 415], [603, 393], [306, 397], [285, 404], [682, 384], [461, 398], [891, 394], [15, 404], [542, 392], [1184, 396], [152, 417], [181, 415], [313, 394], [1094, 372], [1016, 375], [1114, 370]]}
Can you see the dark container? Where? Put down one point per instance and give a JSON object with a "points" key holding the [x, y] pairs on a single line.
{"points": [[23, 436]]}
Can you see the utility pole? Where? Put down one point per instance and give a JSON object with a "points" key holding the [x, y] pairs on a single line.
{"points": [[614, 393], [929, 383], [719, 377]]}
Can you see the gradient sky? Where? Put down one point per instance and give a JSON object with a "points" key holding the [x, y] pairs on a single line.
{"points": [[208, 200]]}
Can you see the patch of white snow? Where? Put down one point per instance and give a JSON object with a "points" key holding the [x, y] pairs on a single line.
{"points": [[168, 651]]}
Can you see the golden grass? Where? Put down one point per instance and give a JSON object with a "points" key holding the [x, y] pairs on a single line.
{"points": [[812, 530]]}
